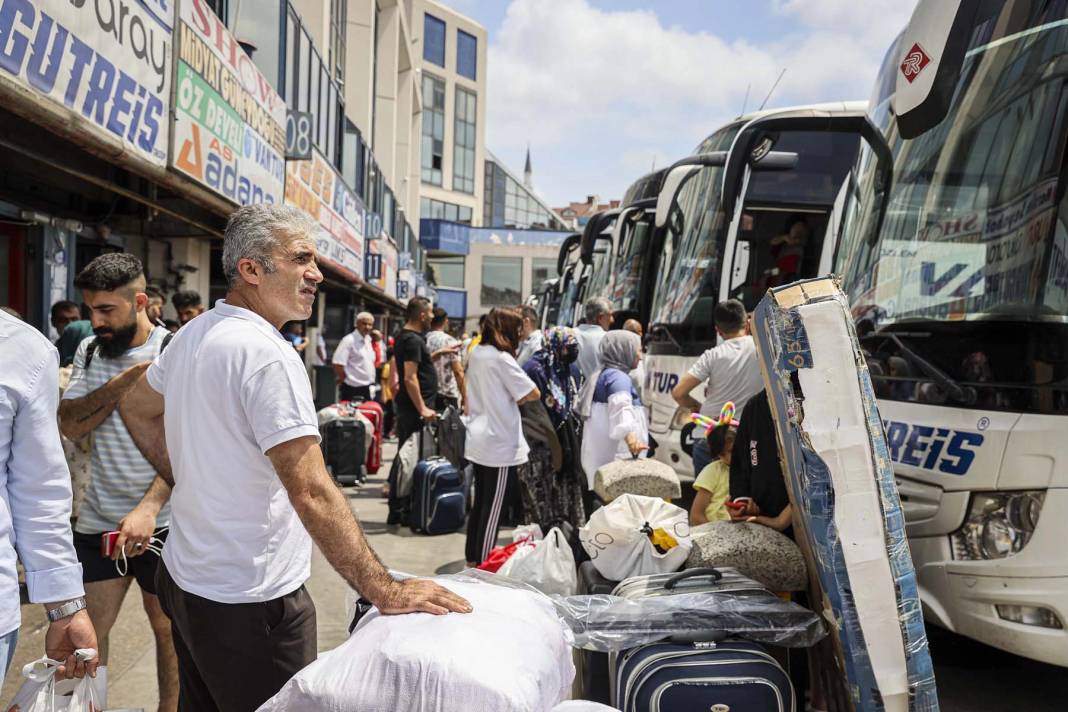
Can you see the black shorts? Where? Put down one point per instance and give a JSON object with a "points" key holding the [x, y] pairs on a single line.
{"points": [[96, 567]]}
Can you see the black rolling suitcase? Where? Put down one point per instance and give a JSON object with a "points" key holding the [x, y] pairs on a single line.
{"points": [[701, 671], [343, 443], [592, 666]]}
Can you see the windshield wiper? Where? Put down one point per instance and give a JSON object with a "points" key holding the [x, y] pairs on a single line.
{"points": [[960, 393]]}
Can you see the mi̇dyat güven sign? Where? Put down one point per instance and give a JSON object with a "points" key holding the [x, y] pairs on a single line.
{"points": [[229, 125], [107, 61]]}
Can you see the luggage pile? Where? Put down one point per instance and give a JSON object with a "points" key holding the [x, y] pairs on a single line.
{"points": [[351, 440], [428, 492]]}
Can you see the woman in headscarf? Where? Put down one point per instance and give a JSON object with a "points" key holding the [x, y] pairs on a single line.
{"points": [[551, 483], [615, 424]]}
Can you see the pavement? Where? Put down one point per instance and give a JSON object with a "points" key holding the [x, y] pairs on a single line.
{"points": [[971, 677]]}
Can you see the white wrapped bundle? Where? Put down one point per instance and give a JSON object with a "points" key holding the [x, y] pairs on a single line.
{"points": [[649, 478], [509, 655], [757, 551]]}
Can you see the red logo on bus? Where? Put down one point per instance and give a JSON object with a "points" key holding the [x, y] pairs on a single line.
{"points": [[914, 62]]}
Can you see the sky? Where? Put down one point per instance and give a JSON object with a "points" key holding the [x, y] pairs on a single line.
{"points": [[604, 90]]}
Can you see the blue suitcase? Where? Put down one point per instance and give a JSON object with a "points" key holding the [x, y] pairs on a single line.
{"points": [[439, 499], [733, 675]]}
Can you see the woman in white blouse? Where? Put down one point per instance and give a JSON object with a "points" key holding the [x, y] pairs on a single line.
{"points": [[616, 427], [494, 443]]}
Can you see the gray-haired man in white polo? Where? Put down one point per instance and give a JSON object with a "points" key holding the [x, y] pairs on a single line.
{"points": [[249, 481], [354, 360]]}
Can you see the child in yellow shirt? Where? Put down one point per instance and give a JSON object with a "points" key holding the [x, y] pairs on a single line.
{"points": [[713, 482]]}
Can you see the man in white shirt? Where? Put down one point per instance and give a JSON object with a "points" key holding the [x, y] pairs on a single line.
{"points": [[251, 490], [531, 338], [354, 361], [729, 371], [106, 366], [598, 321], [35, 485]]}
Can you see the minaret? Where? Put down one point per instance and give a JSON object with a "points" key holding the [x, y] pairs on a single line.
{"points": [[528, 172]]}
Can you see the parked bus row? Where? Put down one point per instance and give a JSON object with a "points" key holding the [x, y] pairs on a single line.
{"points": [[940, 205]]}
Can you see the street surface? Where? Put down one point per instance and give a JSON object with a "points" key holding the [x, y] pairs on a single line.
{"points": [[971, 677]]}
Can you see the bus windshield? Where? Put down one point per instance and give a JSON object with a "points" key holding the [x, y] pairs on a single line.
{"points": [[692, 247], [969, 272], [972, 229]]}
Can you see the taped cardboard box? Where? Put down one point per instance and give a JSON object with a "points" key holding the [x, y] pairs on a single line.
{"points": [[846, 506]]}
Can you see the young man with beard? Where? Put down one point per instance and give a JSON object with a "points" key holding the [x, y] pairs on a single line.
{"points": [[188, 305], [106, 366]]}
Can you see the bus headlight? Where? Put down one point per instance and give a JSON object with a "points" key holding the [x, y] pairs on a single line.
{"points": [[999, 524]]}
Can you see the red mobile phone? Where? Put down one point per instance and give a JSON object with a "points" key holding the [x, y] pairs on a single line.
{"points": [[107, 543], [736, 503]]}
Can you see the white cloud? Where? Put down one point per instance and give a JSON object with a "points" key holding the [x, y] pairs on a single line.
{"points": [[599, 94]]}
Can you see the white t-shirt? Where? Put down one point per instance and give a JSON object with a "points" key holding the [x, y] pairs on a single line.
{"points": [[233, 388], [731, 373], [356, 354], [494, 430], [589, 355]]}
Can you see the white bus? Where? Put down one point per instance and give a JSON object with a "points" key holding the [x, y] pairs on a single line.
{"points": [[716, 217], [960, 291]]}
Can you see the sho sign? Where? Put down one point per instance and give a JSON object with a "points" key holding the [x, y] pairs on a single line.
{"points": [[108, 62]]}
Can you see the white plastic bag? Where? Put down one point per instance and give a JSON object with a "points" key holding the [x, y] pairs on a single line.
{"points": [[527, 531], [547, 565], [43, 693], [617, 537]]}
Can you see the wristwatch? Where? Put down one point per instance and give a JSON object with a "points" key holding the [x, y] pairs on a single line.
{"points": [[66, 610]]}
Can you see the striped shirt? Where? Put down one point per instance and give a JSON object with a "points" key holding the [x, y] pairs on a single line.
{"points": [[120, 473]]}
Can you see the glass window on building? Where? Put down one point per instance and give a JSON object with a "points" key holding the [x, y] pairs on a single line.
{"points": [[448, 271], [463, 157], [292, 58], [466, 55], [218, 7], [338, 16], [258, 23], [440, 210], [304, 81], [502, 281], [541, 269], [433, 40], [433, 129]]}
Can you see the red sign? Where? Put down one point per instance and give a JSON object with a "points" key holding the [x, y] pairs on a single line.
{"points": [[914, 62]]}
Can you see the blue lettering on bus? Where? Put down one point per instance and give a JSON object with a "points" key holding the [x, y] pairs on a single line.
{"points": [[951, 452], [664, 382]]}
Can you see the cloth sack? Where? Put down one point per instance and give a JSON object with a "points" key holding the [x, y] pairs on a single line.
{"points": [[756, 551], [650, 478], [547, 565], [43, 693], [617, 537], [508, 655], [452, 433], [419, 446]]}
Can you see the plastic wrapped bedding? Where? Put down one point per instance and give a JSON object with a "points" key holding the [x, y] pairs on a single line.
{"points": [[610, 623], [840, 478], [509, 655]]}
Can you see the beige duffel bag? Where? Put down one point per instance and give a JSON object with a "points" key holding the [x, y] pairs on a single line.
{"points": [[646, 477], [757, 551]]}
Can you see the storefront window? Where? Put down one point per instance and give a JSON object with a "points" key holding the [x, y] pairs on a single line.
{"points": [[541, 269], [502, 281]]}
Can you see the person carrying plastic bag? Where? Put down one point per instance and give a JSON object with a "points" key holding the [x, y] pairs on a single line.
{"points": [[42, 692]]}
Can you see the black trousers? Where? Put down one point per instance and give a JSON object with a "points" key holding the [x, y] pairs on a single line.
{"points": [[233, 657], [354, 393], [495, 489]]}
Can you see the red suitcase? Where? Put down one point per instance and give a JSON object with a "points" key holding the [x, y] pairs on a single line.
{"points": [[372, 410]]}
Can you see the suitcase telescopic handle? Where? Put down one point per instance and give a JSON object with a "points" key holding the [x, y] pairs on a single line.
{"points": [[678, 578]]}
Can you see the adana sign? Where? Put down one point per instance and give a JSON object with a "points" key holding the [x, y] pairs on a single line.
{"points": [[108, 62], [229, 124], [317, 189]]}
